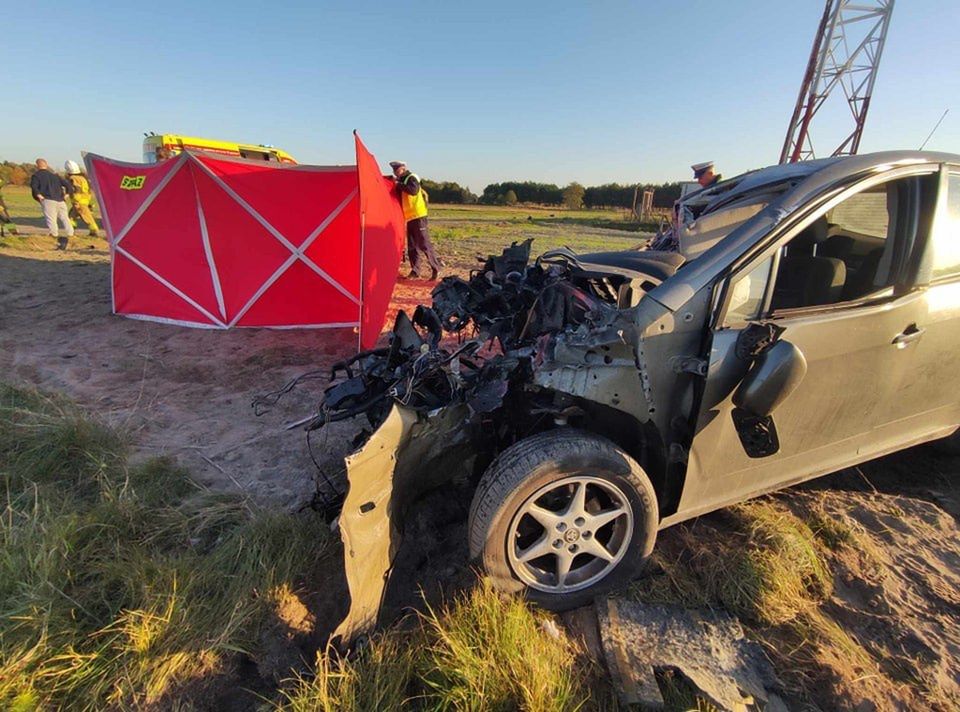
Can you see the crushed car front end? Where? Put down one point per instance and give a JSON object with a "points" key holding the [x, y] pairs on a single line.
{"points": [[519, 348]]}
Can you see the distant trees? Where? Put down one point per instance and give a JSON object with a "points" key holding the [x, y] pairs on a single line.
{"points": [[526, 192], [573, 196], [615, 195], [16, 173], [448, 192]]}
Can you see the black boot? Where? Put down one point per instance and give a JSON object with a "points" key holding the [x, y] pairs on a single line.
{"points": [[61, 243]]}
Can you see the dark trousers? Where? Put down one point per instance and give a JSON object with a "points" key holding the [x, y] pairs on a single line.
{"points": [[418, 240]]}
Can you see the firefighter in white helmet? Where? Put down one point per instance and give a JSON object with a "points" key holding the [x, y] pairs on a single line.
{"points": [[81, 198]]}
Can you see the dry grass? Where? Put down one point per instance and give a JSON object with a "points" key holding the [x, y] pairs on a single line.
{"points": [[484, 651], [764, 566], [131, 587], [120, 585]]}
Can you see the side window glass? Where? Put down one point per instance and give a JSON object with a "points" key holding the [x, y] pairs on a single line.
{"points": [[849, 252], [946, 245], [746, 293]]}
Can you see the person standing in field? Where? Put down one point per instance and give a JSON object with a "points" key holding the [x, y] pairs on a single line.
{"points": [[413, 198], [50, 190], [81, 197]]}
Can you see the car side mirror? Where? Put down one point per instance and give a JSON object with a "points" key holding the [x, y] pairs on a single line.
{"points": [[775, 374]]}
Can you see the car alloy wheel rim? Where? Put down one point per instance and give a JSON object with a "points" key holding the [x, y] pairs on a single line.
{"points": [[570, 534]]}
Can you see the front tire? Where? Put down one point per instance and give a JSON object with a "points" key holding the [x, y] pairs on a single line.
{"points": [[563, 516]]}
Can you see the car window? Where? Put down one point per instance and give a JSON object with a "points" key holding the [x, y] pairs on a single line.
{"points": [[853, 250], [946, 245], [862, 214], [746, 293]]}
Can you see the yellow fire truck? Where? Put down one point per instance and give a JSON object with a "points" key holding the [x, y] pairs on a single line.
{"points": [[158, 146]]}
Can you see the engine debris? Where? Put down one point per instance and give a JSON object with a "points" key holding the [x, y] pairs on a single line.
{"points": [[456, 379]]}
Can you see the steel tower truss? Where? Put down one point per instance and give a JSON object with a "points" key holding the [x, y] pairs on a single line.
{"points": [[844, 61]]}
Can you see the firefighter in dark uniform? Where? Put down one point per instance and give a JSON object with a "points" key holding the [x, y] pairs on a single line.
{"points": [[413, 198], [704, 175]]}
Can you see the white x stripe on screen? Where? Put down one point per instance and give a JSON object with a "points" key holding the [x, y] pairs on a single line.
{"points": [[296, 253]]}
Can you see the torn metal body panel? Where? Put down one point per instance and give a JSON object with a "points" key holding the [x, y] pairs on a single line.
{"points": [[785, 349], [409, 454]]}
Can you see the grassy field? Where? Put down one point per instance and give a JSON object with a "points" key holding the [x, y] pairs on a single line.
{"points": [[129, 587], [19, 202], [24, 210], [121, 585], [463, 232]]}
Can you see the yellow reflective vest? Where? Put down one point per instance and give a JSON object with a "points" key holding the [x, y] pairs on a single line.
{"points": [[414, 206], [81, 190]]}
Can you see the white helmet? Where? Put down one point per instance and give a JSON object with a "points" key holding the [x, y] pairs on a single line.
{"points": [[71, 168]]}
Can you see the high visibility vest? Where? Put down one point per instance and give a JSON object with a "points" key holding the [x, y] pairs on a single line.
{"points": [[81, 190], [414, 206]]}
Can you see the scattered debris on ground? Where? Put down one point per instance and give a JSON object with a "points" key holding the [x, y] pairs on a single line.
{"points": [[709, 649]]}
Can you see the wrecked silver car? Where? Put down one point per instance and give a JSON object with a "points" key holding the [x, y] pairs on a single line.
{"points": [[796, 320]]}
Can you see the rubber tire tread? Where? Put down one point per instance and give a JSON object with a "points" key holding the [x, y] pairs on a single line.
{"points": [[510, 470]]}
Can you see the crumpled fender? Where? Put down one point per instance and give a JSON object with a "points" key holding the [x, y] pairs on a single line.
{"points": [[409, 454]]}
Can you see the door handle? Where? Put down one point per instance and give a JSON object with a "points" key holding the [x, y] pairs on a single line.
{"points": [[907, 336]]}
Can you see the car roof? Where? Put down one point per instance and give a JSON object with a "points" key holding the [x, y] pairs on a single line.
{"points": [[789, 175], [806, 180]]}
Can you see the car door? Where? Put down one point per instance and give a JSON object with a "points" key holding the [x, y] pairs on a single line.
{"points": [[851, 316], [929, 400]]}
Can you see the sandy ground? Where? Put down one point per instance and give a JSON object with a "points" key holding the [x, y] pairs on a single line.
{"points": [[897, 594], [181, 392], [187, 392]]}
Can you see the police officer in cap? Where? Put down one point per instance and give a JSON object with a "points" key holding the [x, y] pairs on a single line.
{"points": [[703, 173], [413, 198]]}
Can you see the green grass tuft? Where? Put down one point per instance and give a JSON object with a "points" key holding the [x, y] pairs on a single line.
{"points": [[766, 570], [492, 652], [776, 571], [383, 678], [121, 585], [484, 651]]}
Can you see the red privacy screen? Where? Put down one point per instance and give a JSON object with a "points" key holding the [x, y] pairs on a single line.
{"points": [[203, 240]]}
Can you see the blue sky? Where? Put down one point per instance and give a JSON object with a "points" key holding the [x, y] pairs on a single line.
{"points": [[478, 92]]}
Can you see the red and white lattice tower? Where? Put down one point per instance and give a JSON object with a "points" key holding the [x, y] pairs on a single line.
{"points": [[842, 70]]}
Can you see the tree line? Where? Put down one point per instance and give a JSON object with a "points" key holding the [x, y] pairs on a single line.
{"points": [[574, 195], [16, 173]]}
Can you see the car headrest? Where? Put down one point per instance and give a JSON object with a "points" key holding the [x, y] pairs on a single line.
{"points": [[812, 234]]}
